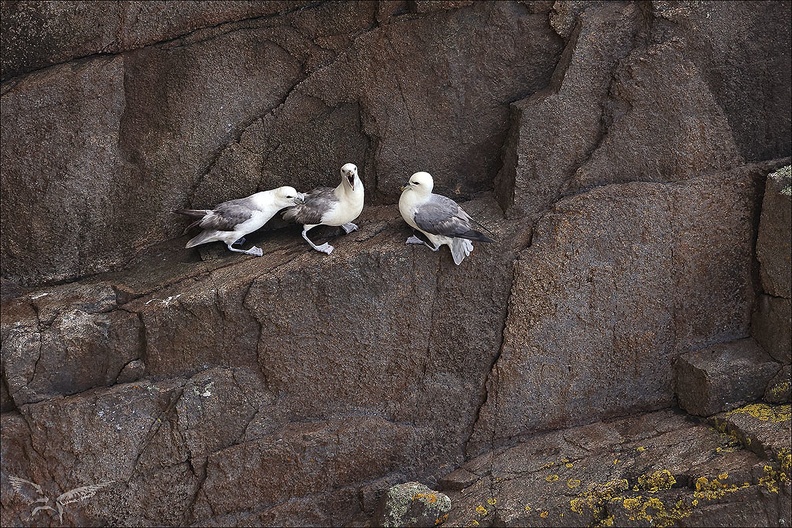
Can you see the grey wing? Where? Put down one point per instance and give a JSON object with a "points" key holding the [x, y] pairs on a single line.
{"points": [[443, 216], [227, 215], [316, 204]]}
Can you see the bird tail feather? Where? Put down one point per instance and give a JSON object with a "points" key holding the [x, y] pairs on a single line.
{"points": [[475, 235], [192, 213], [202, 238], [198, 214], [460, 248]]}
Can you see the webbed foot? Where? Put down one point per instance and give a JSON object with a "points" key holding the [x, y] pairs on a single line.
{"points": [[324, 248], [348, 228]]}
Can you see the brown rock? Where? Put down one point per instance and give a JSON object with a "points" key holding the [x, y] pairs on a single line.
{"points": [[38, 34], [762, 428], [779, 390], [722, 377], [771, 326], [644, 470], [693, 136], [71, 339], [618, 282], [554, 130], [774, 242]]}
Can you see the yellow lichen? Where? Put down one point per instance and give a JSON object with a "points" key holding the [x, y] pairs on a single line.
{"points": [[429, 498], [714, 489], [765, 412], [481, 510], [640, 449], [595, 497], [492, 501], [569, 465], [779, 390], [659, 480], [440, 520], [528, 508], [654, 511], [771, 478], [573, 483], [544, 514], [552, 478], [631, 503]]}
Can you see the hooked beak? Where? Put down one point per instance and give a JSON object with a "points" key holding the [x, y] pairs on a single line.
{"points": [[351, 179], [300, 198], [405, 187]]}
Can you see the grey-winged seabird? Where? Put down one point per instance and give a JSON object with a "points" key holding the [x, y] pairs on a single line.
{"points": [[439, 218], [230, 221], [330, 207]]}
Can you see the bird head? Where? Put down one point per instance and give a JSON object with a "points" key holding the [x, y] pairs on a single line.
{"points": [[288, 196], [349, 173], [421, 182]]}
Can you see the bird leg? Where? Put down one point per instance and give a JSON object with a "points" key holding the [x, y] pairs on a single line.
{"points": [[415, 240], [239, 242], [255, 251], [348, 228], [324, 248]]}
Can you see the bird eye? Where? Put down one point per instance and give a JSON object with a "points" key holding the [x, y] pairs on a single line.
{"points": [[416, 183]]}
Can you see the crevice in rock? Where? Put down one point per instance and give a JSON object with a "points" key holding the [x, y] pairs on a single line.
{"points": [[175, 395]]}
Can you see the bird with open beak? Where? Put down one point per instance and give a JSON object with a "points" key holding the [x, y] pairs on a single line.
{"points": [[330, 207]]}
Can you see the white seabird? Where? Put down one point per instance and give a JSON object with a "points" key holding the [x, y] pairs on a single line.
{"points": [[330, 207], [439, 218], [230, 221]]}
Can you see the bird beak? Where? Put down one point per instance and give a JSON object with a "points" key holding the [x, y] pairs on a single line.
{"points": [[351, 179], [299, 199], [405, 187]]}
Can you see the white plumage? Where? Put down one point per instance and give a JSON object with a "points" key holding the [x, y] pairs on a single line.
{"points": [[439, 218], [330, 207], [230, 221]]}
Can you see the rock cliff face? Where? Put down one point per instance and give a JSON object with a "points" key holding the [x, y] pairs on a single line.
{"points": [[618, 151]]}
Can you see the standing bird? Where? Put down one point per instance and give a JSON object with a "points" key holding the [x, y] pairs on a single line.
{"points": [[439, 218], [330, 207], [230, 221]]}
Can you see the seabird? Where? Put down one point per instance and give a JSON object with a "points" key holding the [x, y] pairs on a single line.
{"points": [[330, 207], [439, 218], [230, 221]]}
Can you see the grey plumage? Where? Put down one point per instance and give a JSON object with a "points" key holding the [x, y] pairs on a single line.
{"points": [[331, 207], [440, 219], [230, 221]]}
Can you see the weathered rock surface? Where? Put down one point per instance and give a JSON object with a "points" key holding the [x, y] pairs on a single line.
{"points": [[723, 377], [614, 285], [413, 504], [774, 241], [772, 318], [617, 151], [660, 469], [222, 112], [771, 326], [779, 390]]}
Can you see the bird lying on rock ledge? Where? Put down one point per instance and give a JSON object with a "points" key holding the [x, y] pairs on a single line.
{"points": [[230, 221]]}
